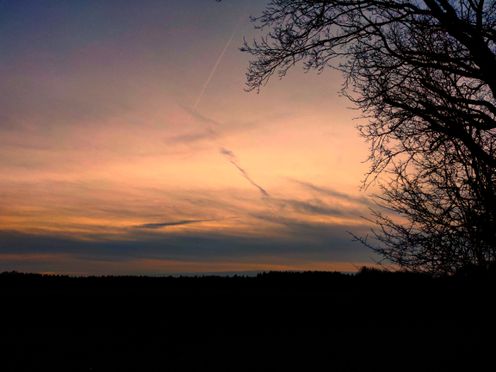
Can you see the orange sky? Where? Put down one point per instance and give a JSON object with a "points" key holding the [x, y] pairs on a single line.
{"points": [[108, 167]]}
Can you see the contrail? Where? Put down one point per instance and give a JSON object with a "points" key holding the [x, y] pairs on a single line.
{"points": [[227, 153], [217, 63], [234, 161]]}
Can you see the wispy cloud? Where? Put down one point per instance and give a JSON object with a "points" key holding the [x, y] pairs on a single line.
{"points": [[334, 193], [207, 134], [234, 161], [159, 225], [314, 207], [200, 117]]}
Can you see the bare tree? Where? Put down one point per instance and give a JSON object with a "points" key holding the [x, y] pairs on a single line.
{"points": [[448, 216], [424, 75]]}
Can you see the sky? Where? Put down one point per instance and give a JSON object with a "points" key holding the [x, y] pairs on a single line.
{"points": [[129, 145]]}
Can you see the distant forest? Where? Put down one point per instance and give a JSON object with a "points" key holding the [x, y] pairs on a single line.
{"points": [[274, 321]]}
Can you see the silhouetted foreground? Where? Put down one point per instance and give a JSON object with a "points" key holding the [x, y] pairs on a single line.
{"points": [[275, 321]]}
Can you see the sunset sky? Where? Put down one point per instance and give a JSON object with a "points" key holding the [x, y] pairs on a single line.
{"points": [[128, 145]]}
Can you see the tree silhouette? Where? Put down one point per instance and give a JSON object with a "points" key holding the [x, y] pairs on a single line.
{"points": [[424, 75]]}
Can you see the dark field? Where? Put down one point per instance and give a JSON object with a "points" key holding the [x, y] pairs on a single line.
{"points": [[275, 321]]}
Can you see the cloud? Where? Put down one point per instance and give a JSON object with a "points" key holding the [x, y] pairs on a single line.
{"points": [[159, 225], [337, 194], [234, 161], [208, 134], [227, 153], [273, 237], [201, 118], [305, 240], [314, 207]]}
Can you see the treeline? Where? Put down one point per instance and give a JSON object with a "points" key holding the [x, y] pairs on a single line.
{"points": [[274, 282], [308, 321]]}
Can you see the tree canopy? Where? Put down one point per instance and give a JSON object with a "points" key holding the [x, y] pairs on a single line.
{"points": [[424, 75]]}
